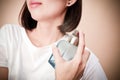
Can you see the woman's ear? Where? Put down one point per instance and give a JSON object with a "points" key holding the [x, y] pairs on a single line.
{"points": [[70, 2]]}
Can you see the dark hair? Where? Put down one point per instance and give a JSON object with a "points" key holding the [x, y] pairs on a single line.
{"points": [[71, 20]]}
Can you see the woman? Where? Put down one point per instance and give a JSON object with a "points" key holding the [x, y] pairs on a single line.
{"points": [[25, 51]]}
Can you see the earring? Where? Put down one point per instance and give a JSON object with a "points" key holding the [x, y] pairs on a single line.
{"points": [[69, 2]]}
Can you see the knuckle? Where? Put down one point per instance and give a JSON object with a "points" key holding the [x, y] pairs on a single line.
{"points": [[83, 65], [83, 44]]}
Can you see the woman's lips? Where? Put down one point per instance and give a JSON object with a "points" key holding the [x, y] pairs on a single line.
{"points": [[35, 4]]}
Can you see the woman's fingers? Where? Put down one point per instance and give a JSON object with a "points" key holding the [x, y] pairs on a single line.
{"points": [[56, 54], [81, 47]]}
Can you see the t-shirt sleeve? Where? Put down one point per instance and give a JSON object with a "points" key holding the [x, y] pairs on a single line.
{"points": [[3, 47], [93, 70]]}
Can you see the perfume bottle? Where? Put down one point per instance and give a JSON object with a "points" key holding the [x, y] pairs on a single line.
{"points": [[67, 47]]}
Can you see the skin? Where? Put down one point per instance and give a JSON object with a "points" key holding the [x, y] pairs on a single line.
{"points": [[49, 14]]}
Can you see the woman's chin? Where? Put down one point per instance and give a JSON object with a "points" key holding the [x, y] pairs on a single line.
{"points": [[41, 18], [36, 18]]}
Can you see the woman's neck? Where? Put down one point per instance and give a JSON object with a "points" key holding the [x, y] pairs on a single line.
{"points": [[45, 34]]}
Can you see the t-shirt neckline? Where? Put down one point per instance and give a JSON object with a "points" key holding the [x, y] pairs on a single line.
{"points": [[30, 44]]}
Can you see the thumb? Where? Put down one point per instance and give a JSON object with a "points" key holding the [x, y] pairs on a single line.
{"points": [[56, 54]]}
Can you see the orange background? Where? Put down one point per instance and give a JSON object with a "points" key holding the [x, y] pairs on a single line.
{"points": [[100, 22]]}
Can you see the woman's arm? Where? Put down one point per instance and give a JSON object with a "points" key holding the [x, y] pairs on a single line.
{"points": [[3, 73]]}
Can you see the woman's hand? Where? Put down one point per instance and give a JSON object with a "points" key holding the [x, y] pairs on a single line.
{"points": [[73, 69]]}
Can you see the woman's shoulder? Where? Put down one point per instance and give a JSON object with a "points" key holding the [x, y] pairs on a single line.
{"points": [[11, 27], [11, 31], [93, 59], [93, 69]]}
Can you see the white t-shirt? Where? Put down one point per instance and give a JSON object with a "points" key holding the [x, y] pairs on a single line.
{"points": [[27, 62]]}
